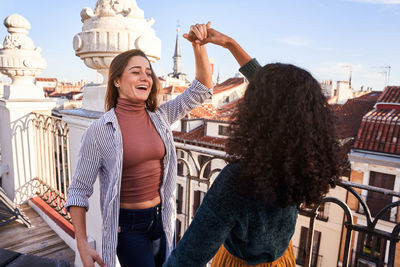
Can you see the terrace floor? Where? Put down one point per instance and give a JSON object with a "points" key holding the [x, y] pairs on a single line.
{"points": [[38, 240]]}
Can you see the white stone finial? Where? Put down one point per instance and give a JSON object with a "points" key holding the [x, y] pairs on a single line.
{"points": [[114, 27], [19, 59], [17, 24]]}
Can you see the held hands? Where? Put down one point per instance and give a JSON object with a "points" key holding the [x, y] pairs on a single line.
{"points": [[203, 34], [89, 256]]}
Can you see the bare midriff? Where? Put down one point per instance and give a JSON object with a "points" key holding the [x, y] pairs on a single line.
{"points": [[141, 205]]}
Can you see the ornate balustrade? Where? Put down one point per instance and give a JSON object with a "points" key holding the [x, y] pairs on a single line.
{"points": [[51, 142]]}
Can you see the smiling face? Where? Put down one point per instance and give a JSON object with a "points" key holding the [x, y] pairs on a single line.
{"points": [[135, 82]]}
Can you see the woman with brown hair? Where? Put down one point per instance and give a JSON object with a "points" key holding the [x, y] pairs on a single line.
{"points": [[131, 148], [282, 152]]}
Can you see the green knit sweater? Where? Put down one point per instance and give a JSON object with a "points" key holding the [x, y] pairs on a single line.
{"points": [[250, 231]]}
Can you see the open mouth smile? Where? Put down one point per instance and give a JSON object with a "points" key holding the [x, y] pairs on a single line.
{"points": [[142, 87]]}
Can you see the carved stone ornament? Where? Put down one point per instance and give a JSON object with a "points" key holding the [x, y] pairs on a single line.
{"points": [[19, 59], [114, 27]]}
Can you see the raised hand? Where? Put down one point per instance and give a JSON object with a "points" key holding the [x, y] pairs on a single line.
{"points": [[203, 34], [197, 33]]}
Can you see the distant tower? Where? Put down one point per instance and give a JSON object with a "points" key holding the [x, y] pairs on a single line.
{"points": [[177, 74], [177, 55], [218, 78]]}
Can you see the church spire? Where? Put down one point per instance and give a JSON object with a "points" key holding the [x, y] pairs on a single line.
{"points": [[177, 55]]}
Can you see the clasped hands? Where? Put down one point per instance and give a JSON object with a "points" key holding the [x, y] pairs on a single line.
{"points": [[203, 33]]}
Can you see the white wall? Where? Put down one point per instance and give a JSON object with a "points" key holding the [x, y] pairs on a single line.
{"points": [[343, 91], [212, 129], [233, 94]]}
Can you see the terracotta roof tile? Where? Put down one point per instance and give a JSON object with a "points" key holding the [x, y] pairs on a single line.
{"points": [[209, 112], [380, 128], [198, 137], [228, 84], [173, 89], [349, 115], [390, 95], [225, 112], [38, 79], [203, 111]]}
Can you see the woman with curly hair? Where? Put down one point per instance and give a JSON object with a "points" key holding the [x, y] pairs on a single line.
{"points": [[282, 153]]}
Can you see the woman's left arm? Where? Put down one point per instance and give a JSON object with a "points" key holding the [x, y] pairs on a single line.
{"points": [[198, 92], [211, 225]]}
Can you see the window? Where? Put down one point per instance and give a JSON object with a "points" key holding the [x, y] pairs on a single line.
{"points": [[181, 166], [202, 160], [197, 199], [301, 253], [226, 99], [370, 250], [223, 130], [183, 126], [377, 201], [179, 199]]}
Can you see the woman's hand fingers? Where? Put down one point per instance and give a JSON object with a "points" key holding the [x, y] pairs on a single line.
{"points": [[196, 32], [203, 30], [187, 37], [99, 260], [89, 256]]}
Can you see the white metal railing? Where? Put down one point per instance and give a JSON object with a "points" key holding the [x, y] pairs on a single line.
{"points": [[53, 168]]}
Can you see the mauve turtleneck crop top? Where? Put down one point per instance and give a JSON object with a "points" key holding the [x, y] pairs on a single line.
{"points": [[143, 152]]}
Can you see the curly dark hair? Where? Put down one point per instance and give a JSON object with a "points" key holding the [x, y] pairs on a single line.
{"points": [[283, 136]]}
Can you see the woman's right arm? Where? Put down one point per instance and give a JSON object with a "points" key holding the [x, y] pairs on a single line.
{"points": [[80, 190], [88, 255], [247, 65]]}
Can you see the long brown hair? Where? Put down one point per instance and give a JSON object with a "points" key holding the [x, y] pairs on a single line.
{"points": [[117, 67]]}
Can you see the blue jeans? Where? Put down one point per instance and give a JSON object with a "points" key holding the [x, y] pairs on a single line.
{"points": [[141, 239]]}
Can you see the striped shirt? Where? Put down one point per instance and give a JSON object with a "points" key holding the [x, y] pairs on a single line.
{"points": [[101, 155]]}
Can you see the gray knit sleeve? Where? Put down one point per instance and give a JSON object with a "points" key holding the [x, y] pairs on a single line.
{"points": [[250, 68]]}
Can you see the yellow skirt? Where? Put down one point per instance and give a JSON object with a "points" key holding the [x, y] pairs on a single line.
{"points": [[224, 258]]}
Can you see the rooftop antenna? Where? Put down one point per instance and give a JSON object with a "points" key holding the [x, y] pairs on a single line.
{"points": [[386, 71]]}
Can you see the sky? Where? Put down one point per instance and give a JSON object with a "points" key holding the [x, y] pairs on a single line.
{"points": [[329, 38]]}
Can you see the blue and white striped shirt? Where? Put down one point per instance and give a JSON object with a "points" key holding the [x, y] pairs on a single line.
{"points": [[101, 154]]}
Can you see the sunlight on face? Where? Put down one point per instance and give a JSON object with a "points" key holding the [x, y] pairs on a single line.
{"points": [[135, 82]]}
